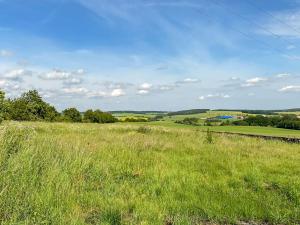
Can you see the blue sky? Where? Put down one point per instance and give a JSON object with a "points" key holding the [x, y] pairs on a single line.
{"points": [[152, 54]]}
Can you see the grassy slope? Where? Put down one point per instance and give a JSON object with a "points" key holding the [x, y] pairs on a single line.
{"points": [[271, 131], [112, 174], [208, 114]]}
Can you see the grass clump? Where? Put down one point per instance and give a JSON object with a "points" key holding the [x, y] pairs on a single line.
{"points": [[209, 137], [144, 130]]}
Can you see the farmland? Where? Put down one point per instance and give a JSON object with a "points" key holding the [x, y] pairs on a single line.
{"points": [[132, 173]]}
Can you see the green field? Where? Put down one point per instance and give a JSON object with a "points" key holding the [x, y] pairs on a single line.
{"points": [[268, 131], [59, 173]]}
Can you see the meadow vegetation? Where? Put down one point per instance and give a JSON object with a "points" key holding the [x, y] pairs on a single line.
{"points": [[77, 173]]}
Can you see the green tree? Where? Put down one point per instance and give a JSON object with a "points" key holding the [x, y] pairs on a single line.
{"points": [[88, 116], [72, 115], [98, 116], [30, 106]]}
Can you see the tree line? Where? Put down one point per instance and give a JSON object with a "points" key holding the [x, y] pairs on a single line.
{"points": [[289, 121], [31, 107]]}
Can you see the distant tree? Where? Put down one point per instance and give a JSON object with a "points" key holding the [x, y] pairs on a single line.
{"points": [[140, 119], [98, 116], [88, 116], [189, 121], [72, 115], [30, 106]]}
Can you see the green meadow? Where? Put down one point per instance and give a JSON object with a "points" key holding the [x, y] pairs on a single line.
{"points": [[68, 173]]}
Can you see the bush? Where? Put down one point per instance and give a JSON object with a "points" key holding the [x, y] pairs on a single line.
{"points": [[136, 120], [189, 121], [143, 130], [72, 115], [285, 121], [31, 107], [209, 137], [98, 116]]}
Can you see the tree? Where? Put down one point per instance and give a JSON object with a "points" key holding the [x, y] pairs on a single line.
{"points": [[98, 116], [30, 106], [88, 116], [72, 115]]}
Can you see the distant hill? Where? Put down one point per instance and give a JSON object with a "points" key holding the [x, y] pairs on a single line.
{"points": [[188, 112], [259, 111], [139, 112]]}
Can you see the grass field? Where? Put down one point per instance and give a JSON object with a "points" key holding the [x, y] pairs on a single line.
{"points": [[56, 173], [208, 114], [268, 131]]}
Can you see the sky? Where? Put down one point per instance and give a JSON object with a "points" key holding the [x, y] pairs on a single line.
{"points": [[152, 54]]}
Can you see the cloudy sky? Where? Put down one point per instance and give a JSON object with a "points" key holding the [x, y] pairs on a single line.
{"points": [[152, 54]]}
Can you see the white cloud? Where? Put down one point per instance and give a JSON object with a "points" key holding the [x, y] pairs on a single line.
{"points": [[80, 71], [187, 81], [214, 96], [166, 87], [254, 82], [117, 92], [77, 90], [96, 94], [146, 86], [2, 83], [290, 88], [191, 80], [16, 74], [56, 75], [72, 81], [143, 92], [5, 53]]}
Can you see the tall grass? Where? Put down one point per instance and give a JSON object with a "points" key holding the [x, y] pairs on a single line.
{"points": [[119, 174]]}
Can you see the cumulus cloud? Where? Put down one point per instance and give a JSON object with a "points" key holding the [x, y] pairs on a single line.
{"points": [[114, 85], [143, 92], [73, 81], [188, 81], [16, 74], [68, 76], [117, 92], [55, 75], [214, 96], [290, 88], [96, 94], [146, 86], [191, 80], [256, 81], [76, 90]]}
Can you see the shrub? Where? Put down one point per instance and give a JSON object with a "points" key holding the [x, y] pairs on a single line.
{"points": [[143, 130], [209, 137], [189, 121], [98, 116], [136, 120], [72, 115]]}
